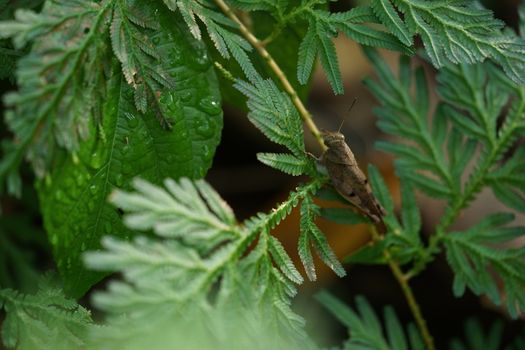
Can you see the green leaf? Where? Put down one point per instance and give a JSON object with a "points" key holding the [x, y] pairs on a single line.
{"points": [[219, 27], [343, 216], [380, 190], [311, 234], [365, 328], [475, 263], [45, 320], [318, 39], [305, 254], [283, 260], [406, 115], [272, 112], [286, 163], [454, 31], [323, 27], [369, 254], [135, 44], [394, 331], [307, 55], [329, 61], [479, 339], [60, 81], [130, 144], [388, 15], [284, 49], [508, 183], [349, 23], [410, 211], [202, 264]]}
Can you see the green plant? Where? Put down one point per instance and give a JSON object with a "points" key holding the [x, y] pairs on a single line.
{"points": [[115, 90]]}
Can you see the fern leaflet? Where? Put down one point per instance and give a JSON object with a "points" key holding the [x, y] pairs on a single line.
{"points": [[57, 82], [131, 29], [365, 327], [220, 29], [474, 261], [46, 320], [455, 31], [198, 249]]}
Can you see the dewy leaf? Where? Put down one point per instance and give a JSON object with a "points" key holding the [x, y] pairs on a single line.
{"points": [[60, 81], [73, 198], [135, 44]]}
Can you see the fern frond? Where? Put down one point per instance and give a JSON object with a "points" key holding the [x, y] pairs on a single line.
{"points": [[388, 15], [478, 338], [57, 83], [473, 100], [312, 235], [455, 31], [132, 26], [260, 5], [365, 327], [181, 212], [8, 58], [405, 116], [272, 112], [282, 259], [286, 163], [475, 262], [323, 27], [45, 320], [480, 96], [220, 30], [198, 257], [402, 239]]}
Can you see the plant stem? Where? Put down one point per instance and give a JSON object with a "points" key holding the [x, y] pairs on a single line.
{"points": [[307, 118], [411, 300], [407, 292], [259, 46]]}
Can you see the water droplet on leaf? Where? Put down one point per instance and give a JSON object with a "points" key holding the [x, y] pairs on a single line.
{"points": [[210, 106], [97, 159], [205, 128]]}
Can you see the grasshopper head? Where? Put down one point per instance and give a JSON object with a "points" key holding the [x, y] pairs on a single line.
{"points": [[332, 138]]}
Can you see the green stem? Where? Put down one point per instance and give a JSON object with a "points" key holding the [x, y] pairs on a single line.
{"points": [[259, 46], [408, 293]]}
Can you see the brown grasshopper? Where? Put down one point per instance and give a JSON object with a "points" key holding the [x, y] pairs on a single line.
{"points": [[347, 177]]}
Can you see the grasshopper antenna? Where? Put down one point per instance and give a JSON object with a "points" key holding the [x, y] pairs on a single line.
{"points": [[349, 110]]}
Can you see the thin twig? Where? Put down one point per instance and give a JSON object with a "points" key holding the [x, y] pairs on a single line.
{"points": [[259, 46], [408, 293]]}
